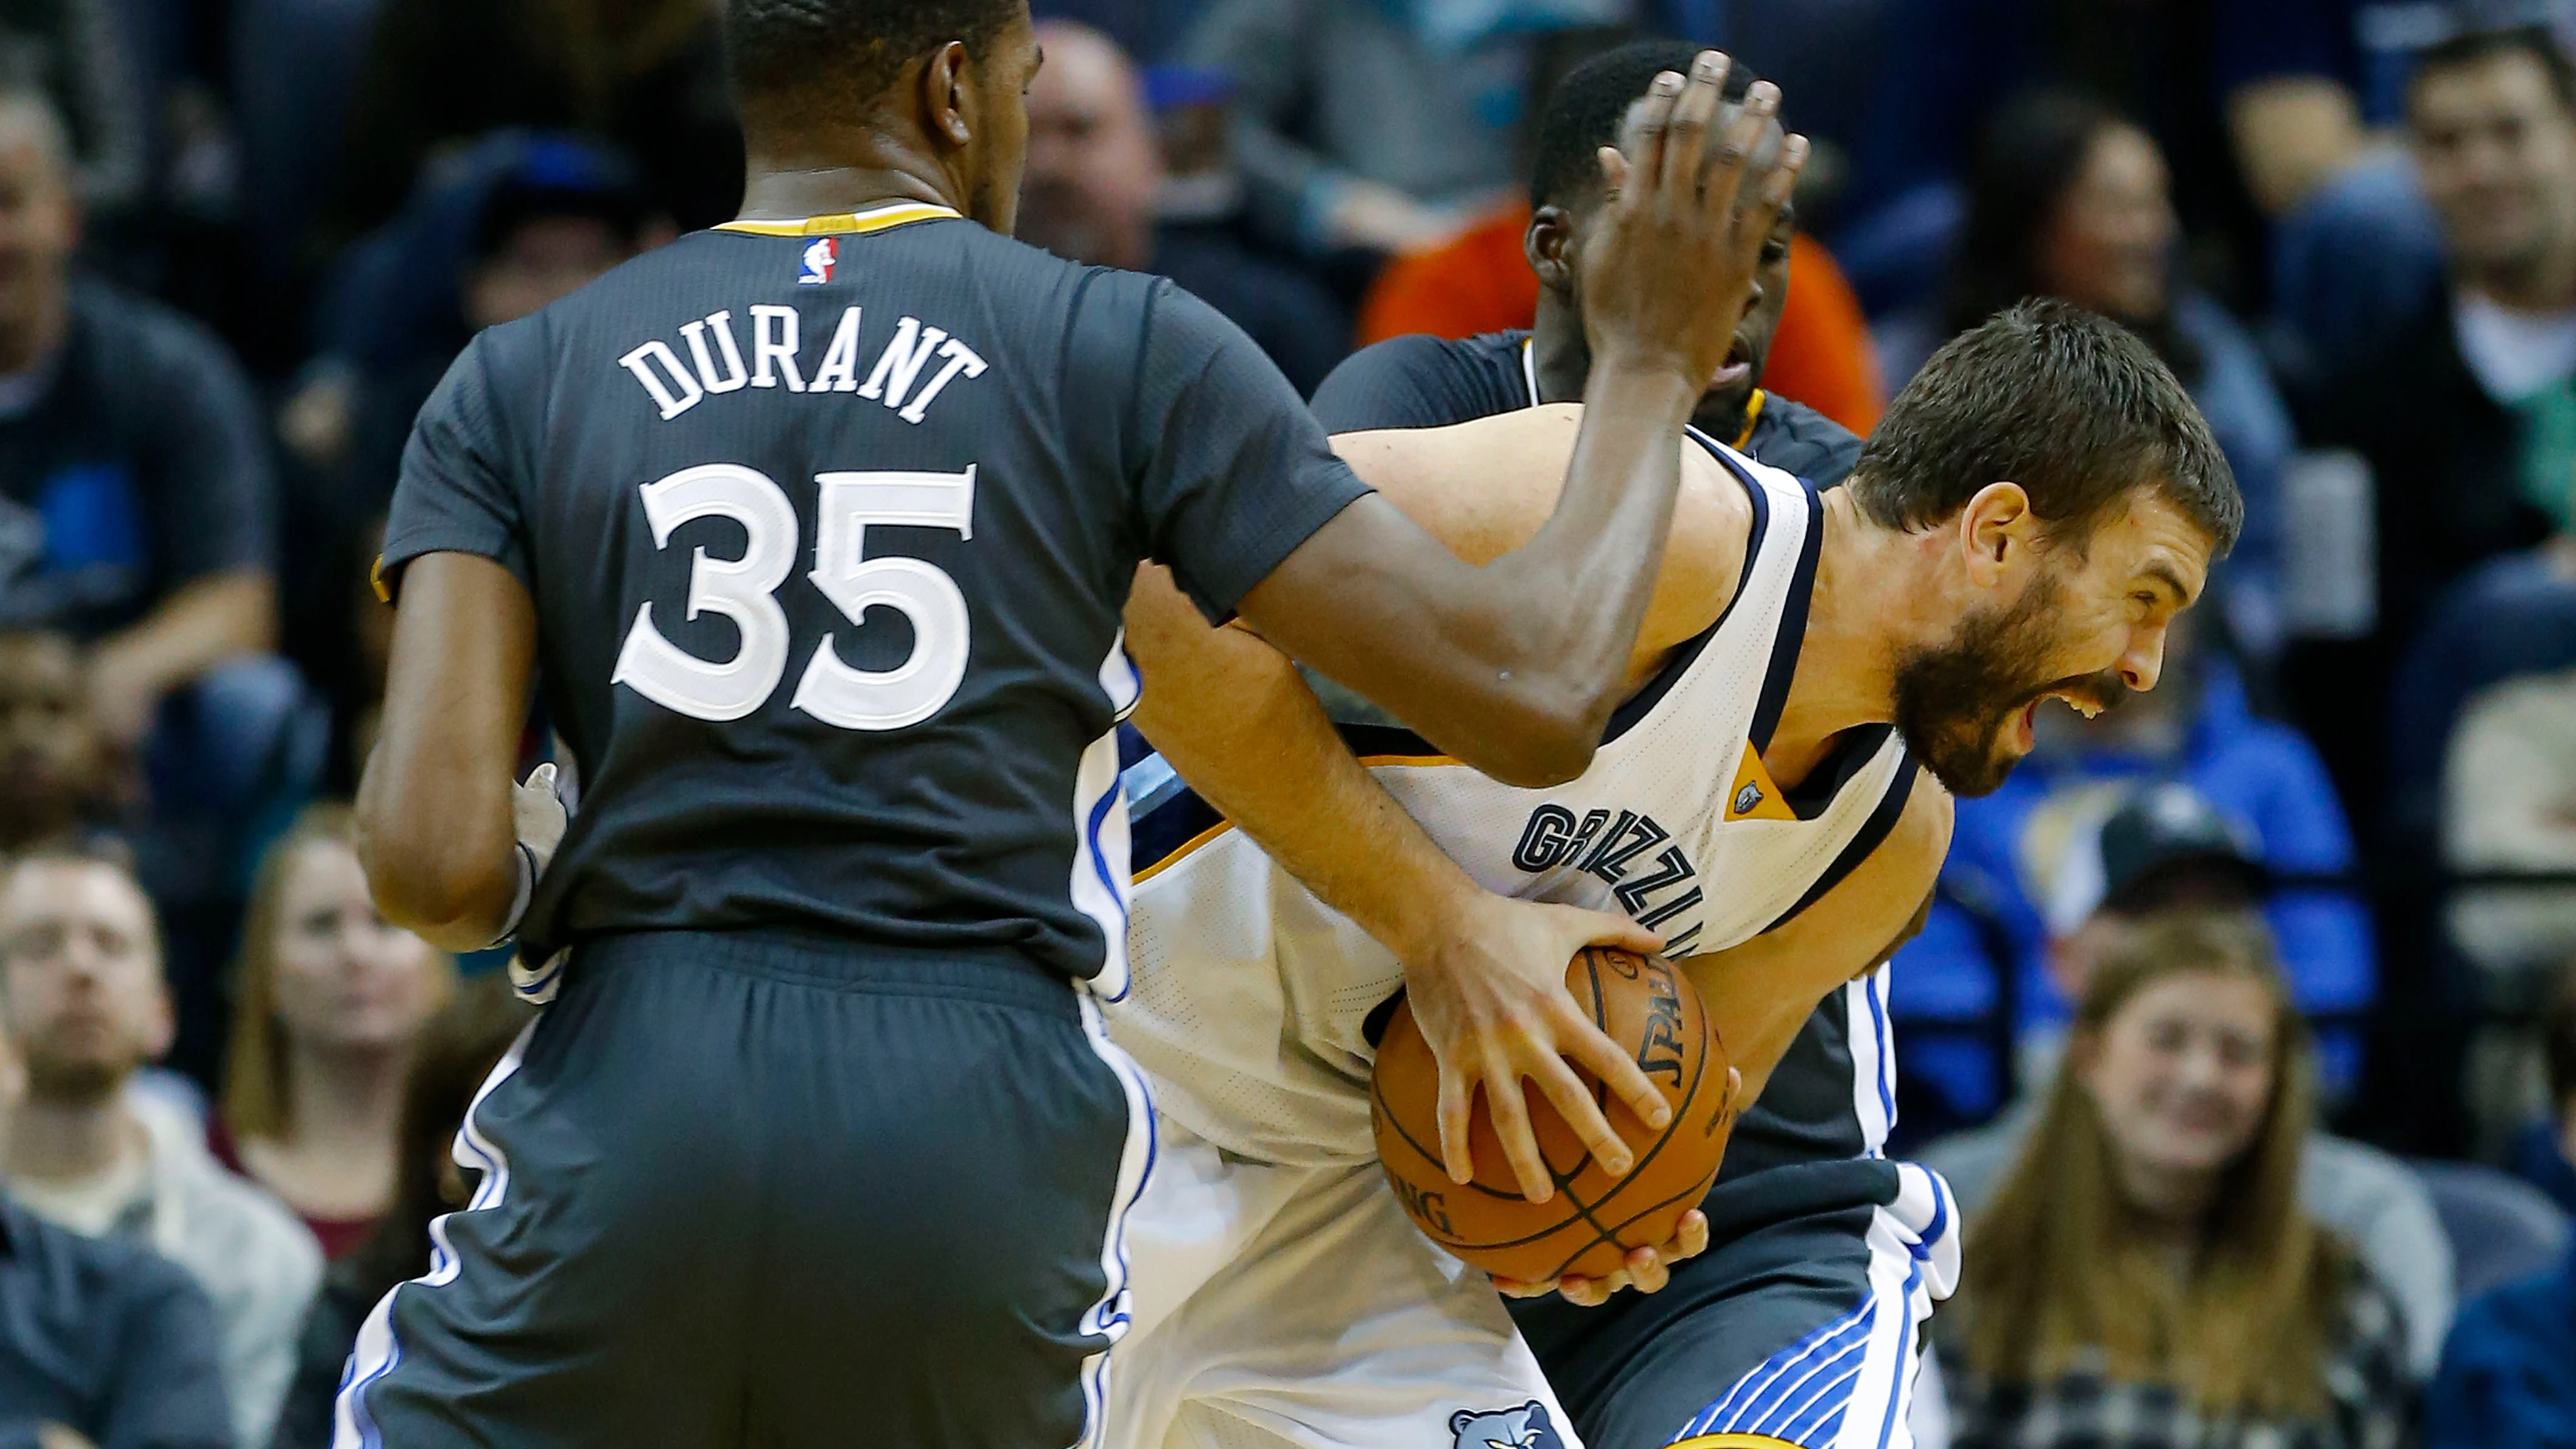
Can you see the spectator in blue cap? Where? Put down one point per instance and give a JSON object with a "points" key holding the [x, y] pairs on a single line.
{"points": [[518, 221], [2163, 850], [2015, 855]]}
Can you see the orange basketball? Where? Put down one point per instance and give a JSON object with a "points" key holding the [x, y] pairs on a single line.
{"points": [[1594, 1220]]}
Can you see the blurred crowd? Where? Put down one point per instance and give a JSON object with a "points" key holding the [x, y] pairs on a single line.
{"points": [[2246, 1014]]}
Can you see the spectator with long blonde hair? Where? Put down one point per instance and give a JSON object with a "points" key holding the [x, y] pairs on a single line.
{"points": [[329, 1002], [2145, 1276]]}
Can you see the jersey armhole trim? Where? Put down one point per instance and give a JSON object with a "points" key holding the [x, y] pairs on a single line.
{"points": [[1792, 635], [1633, 710], [1872, 834]]}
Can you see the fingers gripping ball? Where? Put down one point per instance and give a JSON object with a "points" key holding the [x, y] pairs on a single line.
{"points": [[1595, 1219]]}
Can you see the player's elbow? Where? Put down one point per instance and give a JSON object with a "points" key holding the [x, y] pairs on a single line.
{"points": [[1543, 734], [424, 885]]}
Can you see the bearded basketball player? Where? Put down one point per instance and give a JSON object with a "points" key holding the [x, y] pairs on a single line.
{"points": [[1817, 670]]}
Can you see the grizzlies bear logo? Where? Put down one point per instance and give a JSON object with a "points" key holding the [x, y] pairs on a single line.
{"points": [[1526, 1427]]}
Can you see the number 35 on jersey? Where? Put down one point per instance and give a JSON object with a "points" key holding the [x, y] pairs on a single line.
{"points": [[744, 590]]}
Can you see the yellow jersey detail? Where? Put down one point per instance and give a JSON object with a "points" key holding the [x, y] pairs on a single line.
{"points": [[1187, 848], [1735, 1441], [848, 222], [1754, 796], [1752, 414]]}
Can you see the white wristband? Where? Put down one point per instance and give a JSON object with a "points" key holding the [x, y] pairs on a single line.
{"points": [[519, 904]]}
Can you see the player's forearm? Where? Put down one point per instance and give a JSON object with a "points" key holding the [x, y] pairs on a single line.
{"points": [[1581, 586], [1234, 718], [433, 809], [1513, 667], [1552, 624]]}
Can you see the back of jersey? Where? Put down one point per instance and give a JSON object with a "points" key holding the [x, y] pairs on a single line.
{"points": [[828, 526]]}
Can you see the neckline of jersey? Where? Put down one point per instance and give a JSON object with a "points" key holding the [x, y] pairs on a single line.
{"points": [[1529, 376], [882, 218]]}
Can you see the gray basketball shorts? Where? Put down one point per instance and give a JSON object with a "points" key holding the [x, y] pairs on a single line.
{"points": [[1801, 1325], [749, 1189]]}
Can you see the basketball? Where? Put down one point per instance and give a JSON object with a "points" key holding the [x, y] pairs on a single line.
{"points": [[1594, 1220]]}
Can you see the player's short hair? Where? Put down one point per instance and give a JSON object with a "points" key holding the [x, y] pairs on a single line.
{"points": [[1584, 111], [88, 850], [844, 52], [2471, 47], [2071, 406]]}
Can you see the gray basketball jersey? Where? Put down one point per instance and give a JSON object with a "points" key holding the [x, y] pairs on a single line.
{"points": [[829, 525]]}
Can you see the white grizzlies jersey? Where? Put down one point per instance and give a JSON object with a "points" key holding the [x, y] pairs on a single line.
{"points": [[1256, 1007]]}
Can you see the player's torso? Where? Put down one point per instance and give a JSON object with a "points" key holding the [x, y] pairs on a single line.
{"points": [[828, 587], [1255, 1003]]}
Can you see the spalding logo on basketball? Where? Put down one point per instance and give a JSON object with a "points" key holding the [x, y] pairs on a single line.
{"points": [[1594, 1219]]}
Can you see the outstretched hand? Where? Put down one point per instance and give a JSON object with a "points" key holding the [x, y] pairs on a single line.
{"points": [[1692, 193], [1491, 1002]]}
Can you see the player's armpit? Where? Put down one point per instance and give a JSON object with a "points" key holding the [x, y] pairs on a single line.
{"points": [[434, 819], [1760, 993]]}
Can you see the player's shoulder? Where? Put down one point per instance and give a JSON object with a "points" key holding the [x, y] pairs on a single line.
{"points": [[1800, 441], [1422, 381]]}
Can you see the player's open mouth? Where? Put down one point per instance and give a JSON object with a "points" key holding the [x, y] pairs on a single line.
{"points": [[2025, 725], [1737, 367], [2089, 708]]}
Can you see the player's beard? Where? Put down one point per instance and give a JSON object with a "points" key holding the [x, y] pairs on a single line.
{"points": [[1956, 701]]}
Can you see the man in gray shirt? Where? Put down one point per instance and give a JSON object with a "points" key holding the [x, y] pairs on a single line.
{"points": [[103, 1344]]}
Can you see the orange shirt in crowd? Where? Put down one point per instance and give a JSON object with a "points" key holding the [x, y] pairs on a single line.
{"points": [[1480, 282]]}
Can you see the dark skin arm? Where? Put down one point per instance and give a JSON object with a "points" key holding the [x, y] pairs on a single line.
{"points": [[1514, 667], [434, 823]]}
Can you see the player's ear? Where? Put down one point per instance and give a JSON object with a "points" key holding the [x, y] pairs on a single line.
{"points": [[948, 94], [1996, 530], [1549, 245]]}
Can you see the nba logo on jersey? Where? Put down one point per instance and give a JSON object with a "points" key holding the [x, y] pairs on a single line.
{"points": [[820, 258], [1523, 1428]]}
